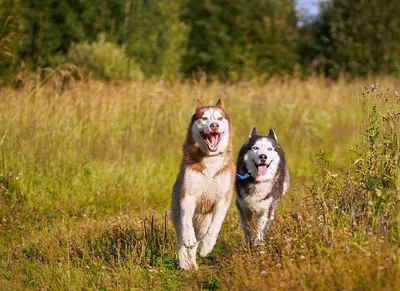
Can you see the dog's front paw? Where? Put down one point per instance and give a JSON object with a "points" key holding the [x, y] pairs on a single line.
{"points": [[207, 245], [189, 241], [257, 241], [272, 217], [205, 250], [187, 258]]}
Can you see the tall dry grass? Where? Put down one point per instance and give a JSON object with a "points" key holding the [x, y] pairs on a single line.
{"points": [[86, 176]]}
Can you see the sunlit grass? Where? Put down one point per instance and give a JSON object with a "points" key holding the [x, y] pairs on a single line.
{"points": [[82, 169]]}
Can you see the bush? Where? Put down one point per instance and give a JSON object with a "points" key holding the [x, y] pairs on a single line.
{"points": [[365, 201], [8, 58], [105, 60]]}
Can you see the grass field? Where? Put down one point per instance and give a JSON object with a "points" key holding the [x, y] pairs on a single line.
{"points": [[86, 177]]}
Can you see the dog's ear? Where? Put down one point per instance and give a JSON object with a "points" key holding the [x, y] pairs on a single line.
{"points": [[272, 134], [220, 103], [253, 132], [198, 104]]}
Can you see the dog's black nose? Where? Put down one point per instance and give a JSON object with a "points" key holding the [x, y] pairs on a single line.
{"points": [[214, 126], [263, 157]]}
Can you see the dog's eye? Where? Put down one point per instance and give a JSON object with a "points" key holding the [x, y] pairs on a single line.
{"points": [[220, 118], [255, 148], [270, 149], [204, 118]]}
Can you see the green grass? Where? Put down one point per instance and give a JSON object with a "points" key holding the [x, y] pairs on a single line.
{"points": [[86, 176]]}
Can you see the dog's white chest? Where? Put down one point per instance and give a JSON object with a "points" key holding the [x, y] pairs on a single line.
{"points": [[257, 200], [206, 183], [213, 165]]}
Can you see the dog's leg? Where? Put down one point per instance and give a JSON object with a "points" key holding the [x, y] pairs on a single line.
{"points": [[188, 237], [245, 219], [201, 225], [264, 220], [272, 215], [271, 210], [187, 243], [210, 237], [187, 257], [262, 227]]}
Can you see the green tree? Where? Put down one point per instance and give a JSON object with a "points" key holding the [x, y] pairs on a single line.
{"points": [[9, 39], [356, 37], [243, 38], [157, 36], [8, 57], [47, 28], [269, 38]]}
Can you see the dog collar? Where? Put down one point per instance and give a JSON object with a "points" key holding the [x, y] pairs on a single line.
{"points": [[242, 177]]}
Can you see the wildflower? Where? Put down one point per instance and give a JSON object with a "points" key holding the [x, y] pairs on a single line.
{"points": [[263, 273]]}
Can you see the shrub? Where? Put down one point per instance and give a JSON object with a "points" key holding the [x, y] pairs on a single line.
{"points": [[105, 60], [365, 201], [8, 58]]}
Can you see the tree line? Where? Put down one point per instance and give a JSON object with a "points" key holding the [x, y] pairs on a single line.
{"points": [[227, 39]]}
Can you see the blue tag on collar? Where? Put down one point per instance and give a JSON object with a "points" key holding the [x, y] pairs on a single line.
{"points": [[242, 177]]}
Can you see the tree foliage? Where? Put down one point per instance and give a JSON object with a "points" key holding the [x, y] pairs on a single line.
{"points": [[356, 37], [244, 37], [157, 37], [226, 39]]}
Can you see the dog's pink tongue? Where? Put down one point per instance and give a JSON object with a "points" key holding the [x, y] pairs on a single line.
{"points": [[214, 140], [213, 143], [262, 170]]}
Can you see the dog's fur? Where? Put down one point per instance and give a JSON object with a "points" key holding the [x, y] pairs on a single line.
{"points": [[203, 189], [263, 159]]}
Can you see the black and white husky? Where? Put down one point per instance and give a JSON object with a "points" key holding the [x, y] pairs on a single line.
{"points": [[262, 178]]}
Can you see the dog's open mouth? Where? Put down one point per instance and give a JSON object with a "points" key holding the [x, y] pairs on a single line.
{"points": [[262, 168], [211, 139]]}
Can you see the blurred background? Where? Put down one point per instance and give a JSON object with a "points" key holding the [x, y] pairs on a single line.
{"points": [[95, 100], [227, 40]]}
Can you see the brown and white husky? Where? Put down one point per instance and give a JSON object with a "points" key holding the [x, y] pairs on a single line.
{"points": [[203, 189]]}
